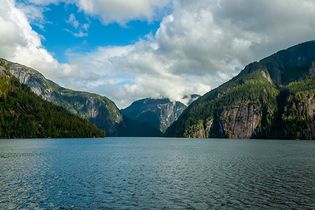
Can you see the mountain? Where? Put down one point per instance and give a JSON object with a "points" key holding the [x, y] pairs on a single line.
{"points": [[160, 113], [97, 109], [23, 114], [272, 98]]}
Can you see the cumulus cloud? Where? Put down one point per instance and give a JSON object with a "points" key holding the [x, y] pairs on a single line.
{"points": [[122, 11], [197, 47], [267, 25], [19, 43], [202, 44], [109, 11], [34, 14], [132, 72]]}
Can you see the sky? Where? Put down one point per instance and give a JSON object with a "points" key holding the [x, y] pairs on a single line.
{"points": [[133, 49]]}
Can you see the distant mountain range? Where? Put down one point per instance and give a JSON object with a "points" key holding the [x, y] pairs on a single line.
{"points": [[273, 98], [23, 114]]}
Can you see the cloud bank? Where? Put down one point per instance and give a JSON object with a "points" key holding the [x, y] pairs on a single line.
{"points": [[201, 44]]}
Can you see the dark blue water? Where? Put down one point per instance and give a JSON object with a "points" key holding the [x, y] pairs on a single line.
{"points": [[145, 173]]}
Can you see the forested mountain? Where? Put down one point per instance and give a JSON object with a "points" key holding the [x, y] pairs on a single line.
{"points": [[98, 110], [272, 98], [23, 114]]}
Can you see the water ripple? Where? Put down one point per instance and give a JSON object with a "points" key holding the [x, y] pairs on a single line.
{"points": [[156, 174]]}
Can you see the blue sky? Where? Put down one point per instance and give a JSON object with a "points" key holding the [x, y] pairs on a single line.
{"points": [[129, 50], [59, 38]]}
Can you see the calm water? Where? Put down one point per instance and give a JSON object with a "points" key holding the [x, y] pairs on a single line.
{"points": [[145, 173]]}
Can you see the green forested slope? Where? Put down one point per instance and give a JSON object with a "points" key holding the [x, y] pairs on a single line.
{"points": [[273, 98], [98, 110], [23, 114]]}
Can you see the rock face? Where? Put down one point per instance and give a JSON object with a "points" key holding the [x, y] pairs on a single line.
{"points": [[2, 71], [160, 113], [272, 98], [241, 122], [97, 109], [311, 113], [238, 122]]}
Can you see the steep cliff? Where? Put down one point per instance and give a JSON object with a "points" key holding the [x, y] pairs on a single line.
{"points": [[272, 98]]}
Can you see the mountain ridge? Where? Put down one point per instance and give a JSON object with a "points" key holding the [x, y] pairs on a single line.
{"points": [[259, 100]]}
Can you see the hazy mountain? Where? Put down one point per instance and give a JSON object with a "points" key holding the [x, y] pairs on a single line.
{"points": [[272, 98], [23, 114], [160, 113]]}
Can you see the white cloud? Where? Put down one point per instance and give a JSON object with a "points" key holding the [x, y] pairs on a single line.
{"points": [[132, 72], [34, 14], [19, 43], [122, 11], [73, 21], [119, 11], [80, 28], [200, 45], [46, 2]]}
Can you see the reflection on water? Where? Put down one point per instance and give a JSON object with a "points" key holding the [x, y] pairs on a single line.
{"points": [[140, 173]]}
